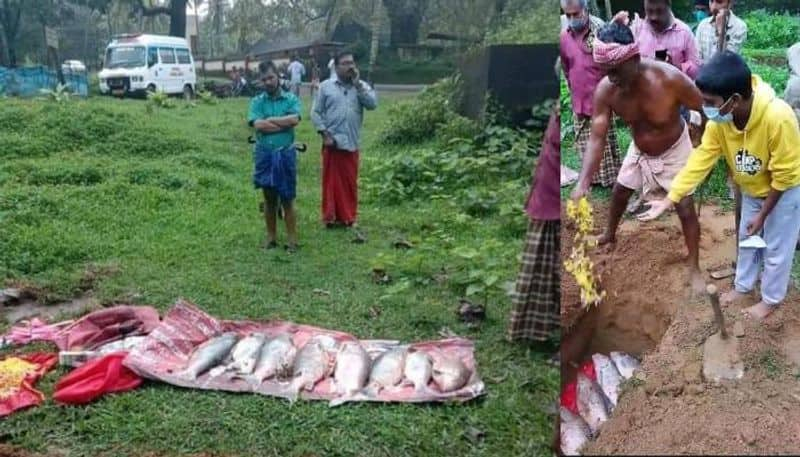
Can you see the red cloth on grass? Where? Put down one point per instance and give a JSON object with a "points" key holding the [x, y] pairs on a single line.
{"points": [[24, 395], [339, 185], [569, 396], [107, 325], [95, 379]]}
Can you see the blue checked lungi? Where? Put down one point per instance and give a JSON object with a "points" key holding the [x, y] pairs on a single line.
{"points": [[276, 169]]}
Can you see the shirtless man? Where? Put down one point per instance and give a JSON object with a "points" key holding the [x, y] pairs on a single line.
{"points": [[647, 95]]}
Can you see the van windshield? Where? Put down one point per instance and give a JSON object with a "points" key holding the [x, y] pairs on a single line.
{"points": [[125, 57]]}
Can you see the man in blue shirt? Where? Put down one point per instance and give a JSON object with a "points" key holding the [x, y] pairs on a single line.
{"points": [[274, 114]]}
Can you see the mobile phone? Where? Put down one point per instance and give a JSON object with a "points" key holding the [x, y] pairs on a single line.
{"points": [[661, 55]]}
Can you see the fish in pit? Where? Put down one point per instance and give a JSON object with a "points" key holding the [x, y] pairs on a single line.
{"points": [[276, 359], [246, 353], [311, 365], [574, 432], [625, 364], [351, 372], [608, 377], [450, 373], [418, 370], [591, 403], [209, 354], [387, 371]]}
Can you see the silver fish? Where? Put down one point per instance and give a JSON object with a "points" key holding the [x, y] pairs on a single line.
{"points": [[310, 366], [574, 432], [209, 354], [608, 377], [625, 364], [591, 403], [352, 370], [276, 358], [387, 371], [418, 370], [246, 353], [450, 374]]}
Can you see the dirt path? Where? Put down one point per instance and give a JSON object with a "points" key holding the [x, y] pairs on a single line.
{"points": [[647, 313]]}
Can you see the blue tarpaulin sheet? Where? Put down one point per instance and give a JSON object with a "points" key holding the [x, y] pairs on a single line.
{"points": [[29, 81]]}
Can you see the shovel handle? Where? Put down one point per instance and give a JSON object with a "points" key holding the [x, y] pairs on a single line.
{"points": [[713, 296]]}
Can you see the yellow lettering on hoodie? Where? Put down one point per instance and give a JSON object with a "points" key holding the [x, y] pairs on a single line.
{"points": [[764, 155]]}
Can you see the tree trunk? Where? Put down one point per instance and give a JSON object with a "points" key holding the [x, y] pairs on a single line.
{"points": [[609, 11], [405, 17], [4, 55], [177, 18], [377, 15]]}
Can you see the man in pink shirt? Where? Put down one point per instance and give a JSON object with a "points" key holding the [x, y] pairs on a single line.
{"points": [[583, 75], [664, 37]]}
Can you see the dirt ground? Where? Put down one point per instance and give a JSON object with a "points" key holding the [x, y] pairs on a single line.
{"points": [[671, 409]]}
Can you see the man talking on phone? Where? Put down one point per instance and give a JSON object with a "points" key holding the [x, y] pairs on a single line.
{"points": [[338, 114]]}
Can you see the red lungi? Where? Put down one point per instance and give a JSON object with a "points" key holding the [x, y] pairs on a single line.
{"points": [[339, 186]]}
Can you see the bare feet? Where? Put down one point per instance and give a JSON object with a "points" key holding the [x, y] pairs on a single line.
{"points": [[733, 297], [759, 311], [606, 238]]}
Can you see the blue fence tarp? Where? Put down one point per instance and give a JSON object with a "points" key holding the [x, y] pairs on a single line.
{"points": [[29, 81]]}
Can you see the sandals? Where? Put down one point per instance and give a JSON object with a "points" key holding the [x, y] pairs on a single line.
{"points": [[270, 245], [291, 248]]}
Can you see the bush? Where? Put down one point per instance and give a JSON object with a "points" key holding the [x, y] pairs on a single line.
{"points": [[498, 154], [71, 128], [521, 25], [417, 120], [765, 30]]}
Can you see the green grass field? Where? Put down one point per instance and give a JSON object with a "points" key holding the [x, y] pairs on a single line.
{"points": [[164, 199]]}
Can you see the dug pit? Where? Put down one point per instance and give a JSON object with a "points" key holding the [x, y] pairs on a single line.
{"points": [[647, 313]]}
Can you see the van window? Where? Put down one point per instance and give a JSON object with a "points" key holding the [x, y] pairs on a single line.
{"points": [[167, 55], [152, 56], [183, 56]]}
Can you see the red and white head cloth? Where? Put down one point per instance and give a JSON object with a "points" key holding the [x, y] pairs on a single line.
{"points": [[613, 53]]}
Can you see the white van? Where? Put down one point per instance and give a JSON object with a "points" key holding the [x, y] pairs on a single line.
{"points": [[140, 63]]}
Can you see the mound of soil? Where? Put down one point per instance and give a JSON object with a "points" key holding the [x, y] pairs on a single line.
{"points": [[671, 409]]}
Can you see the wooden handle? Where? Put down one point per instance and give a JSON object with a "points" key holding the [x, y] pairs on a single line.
{"points": [[713, 295]]}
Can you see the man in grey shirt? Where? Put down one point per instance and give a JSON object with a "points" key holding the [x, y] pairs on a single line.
{"points": [[337, 114]]}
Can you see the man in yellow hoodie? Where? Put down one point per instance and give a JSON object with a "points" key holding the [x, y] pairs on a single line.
{"points": [[758, 135]]}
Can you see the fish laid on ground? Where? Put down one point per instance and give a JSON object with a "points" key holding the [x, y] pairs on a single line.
{"points": [[210, 354], [387, 371], [311, 365], [246, 353], [574, 432], [352, 370], [418, 370], [608, 377], [276, 358], [591, 403], [625, 364], [450, 374]]}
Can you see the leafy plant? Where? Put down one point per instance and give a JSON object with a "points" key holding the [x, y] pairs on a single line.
{"points": [[207, 97], [60, 94], [769, 30], [417, 120], [158, 100]]}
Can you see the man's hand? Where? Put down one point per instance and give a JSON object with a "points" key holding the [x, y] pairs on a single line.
{"points": [[357, 80], [327, 139], [623, 17], [579, 192], [657, 208], [755, 225]]}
